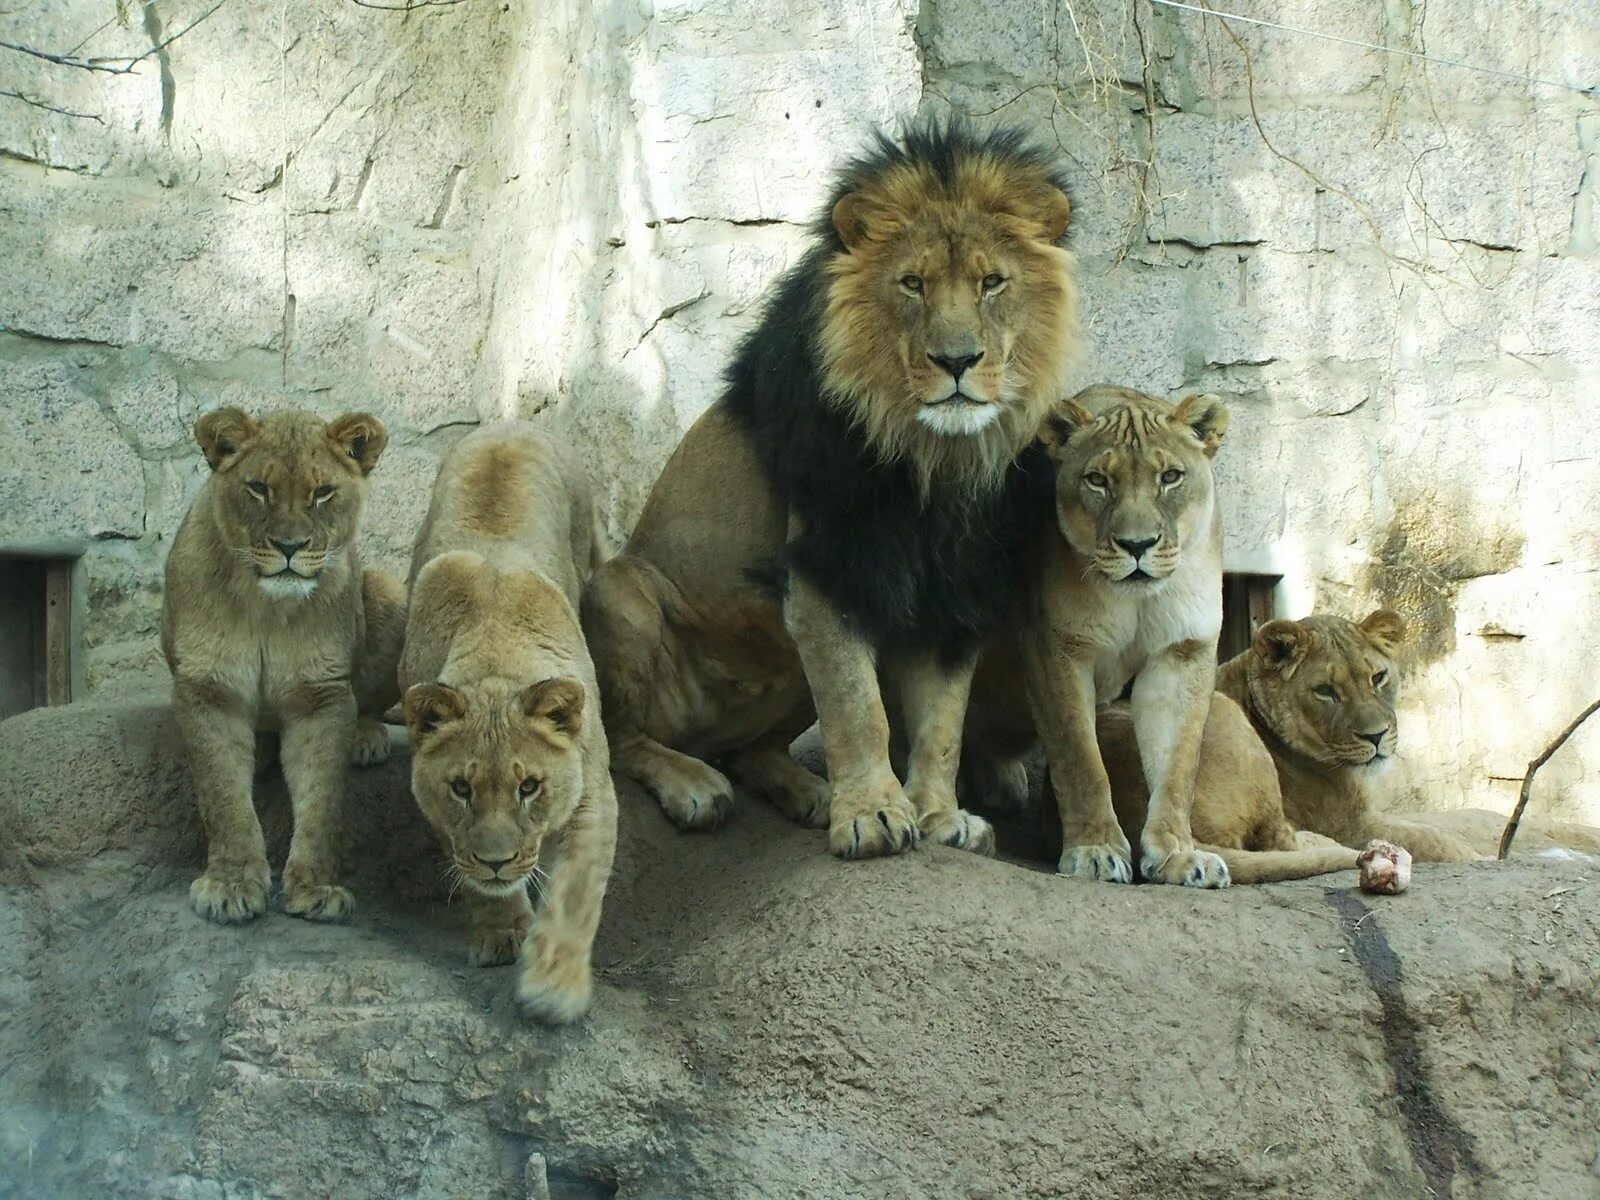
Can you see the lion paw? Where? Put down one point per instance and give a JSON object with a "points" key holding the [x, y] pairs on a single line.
{"points": [[887, 827], [318, 902], [1191, 868], [1101, 863], [555, 992], [703, 800], [959, 828], [808, 804], [229, 897], [371, 744], [495, 947]]}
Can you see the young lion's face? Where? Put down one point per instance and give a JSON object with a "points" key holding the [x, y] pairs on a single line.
{"points": [[496, 769], [287, 490]]}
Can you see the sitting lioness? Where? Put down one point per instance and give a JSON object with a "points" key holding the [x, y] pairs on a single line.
{"points": [[509, 758], [1320, 693], [268, 623], [1130, 587]]}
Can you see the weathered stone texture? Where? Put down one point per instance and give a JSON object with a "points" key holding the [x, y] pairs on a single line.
{"points": [[569, 209]]}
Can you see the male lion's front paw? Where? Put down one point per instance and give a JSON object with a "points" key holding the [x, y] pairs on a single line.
{"points": [[700, 798], [555, 989], [231, 897], [496, 947], [885, 827], [317, 902], [371, 744], [1191, 868], [1101, 863], [959, 828]]}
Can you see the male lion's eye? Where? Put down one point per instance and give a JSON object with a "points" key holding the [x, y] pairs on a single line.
{"points": [[1381, 678], [912, 283], [1171, 476], [256, 489], [461, 788], [529, 788], [992, 283], [1096, 480], [323, 494], [1326, 691]]}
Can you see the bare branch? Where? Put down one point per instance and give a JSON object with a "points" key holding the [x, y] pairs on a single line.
{"points": [[65, 112], [410, 6], [113, 66], [1527, 780]]}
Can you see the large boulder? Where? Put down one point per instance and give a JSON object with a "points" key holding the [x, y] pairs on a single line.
{"points": [[769, 1022]]}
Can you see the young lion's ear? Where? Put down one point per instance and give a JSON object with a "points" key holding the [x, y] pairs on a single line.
{"points": [[223, 435], [1061, 424], [1207, 415], [361, 436], [1386, 629], [430, 706], [1281, 645], [556, 702]]}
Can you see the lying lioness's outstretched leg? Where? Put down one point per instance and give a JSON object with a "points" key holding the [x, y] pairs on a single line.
{"points": [[935, 702], [767, 768], [638, 661]]}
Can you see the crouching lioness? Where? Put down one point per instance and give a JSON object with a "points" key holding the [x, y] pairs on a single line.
{"points": [[268, 623], [509, 758]]}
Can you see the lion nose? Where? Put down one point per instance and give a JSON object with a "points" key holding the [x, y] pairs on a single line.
{"points": [[956, 364], [494, 864], [288, 549], [1375, 738], [1137, 546]]}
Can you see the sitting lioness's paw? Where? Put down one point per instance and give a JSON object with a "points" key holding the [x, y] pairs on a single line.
{"points": [[371, 744], [959, 828], [808, 803], [1102, 863], [1191, 868], [318, 902], [556, 993], [888, 827], [495, 947], [704, 802], [230, 898]]}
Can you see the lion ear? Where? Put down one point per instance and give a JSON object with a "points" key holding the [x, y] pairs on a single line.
{"points": [[1282, 645], [1051, 210], [361, 436], [223, 435], [851, 216], [1207, 415], [428, 707], [557, 703], [1060, 425], [1386, 629]]}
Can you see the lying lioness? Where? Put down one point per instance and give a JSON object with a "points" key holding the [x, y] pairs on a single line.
{"points": [[509, 758]]}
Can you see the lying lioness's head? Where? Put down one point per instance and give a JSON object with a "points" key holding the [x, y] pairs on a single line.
{"points": [[496, 768], [287, 490], [1133, 478], [1325, 686]]}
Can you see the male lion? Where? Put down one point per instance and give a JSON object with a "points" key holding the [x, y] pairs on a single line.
{"points": [[859, 500], [1320, 693], [509, 758], [267, 622]]}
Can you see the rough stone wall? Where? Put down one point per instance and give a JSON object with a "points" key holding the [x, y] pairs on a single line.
{"points": [[569, 207]]}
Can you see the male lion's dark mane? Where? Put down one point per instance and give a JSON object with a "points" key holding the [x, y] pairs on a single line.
{"points": [[913, 568]]}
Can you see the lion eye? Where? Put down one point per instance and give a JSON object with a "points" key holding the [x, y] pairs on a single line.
{"points": [[912, 284], [257, 489], [1381, 678], [461, 788], [529, 788], [992, 283], [322, 494], [1326, 691], [1171, 476], [1096, 480]]}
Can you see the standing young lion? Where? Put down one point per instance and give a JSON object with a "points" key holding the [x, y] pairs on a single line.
{"points": [[267, 622], [858, 502], [509, 758]]}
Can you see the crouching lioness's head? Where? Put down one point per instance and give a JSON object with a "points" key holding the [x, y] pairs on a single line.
{"points": [[496, 768]]}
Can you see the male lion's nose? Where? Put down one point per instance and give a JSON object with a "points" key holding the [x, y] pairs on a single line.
{"points": [[956, 364], [1137, 546], [288, 549], [1375, 738]]}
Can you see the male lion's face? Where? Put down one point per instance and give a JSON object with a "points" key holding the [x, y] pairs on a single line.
{"points": [[1326, 686], [951, 304], [1134, 487], [287, 490], [496, 769]]}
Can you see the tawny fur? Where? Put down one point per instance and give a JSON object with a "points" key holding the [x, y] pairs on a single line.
{"points": [[260, 640], [509, 763]]}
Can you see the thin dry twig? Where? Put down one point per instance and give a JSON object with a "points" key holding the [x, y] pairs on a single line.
{"points": [[109, 66], [1527, 780], [410, 6], [37, 103]]}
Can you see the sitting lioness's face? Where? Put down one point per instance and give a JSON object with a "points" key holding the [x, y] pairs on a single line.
{"points": [[287, 490], [496, 769]]}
